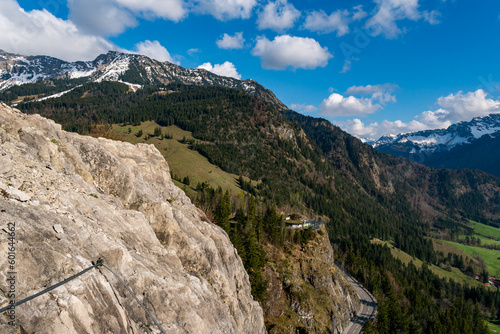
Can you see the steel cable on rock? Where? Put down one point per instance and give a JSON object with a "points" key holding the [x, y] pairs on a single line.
{"points": [[98, 264]]}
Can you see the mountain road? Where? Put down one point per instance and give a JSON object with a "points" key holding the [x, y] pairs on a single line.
{"points": [[366, 311]]}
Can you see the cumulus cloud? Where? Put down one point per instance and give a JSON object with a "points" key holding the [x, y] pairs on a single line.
{"points": [[278, 16], [225, 9], [40, 32], [302, 107], [231, 42], [388, 12], [358, 13], [112, 17], [373, 99], [381, 93], [154, 50], [453, 108], [100, 17], [226, 69], [376, 130], [319, 21], [461, 107], [347, 66], [286, 51], [339, 105], [166, 9]]}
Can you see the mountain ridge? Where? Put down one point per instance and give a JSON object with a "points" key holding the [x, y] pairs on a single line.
{"points": [[117, 66], [461, 145]]}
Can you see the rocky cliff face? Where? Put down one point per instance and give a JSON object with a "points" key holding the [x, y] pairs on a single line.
{"points": [[74, 199], [307, 292]]}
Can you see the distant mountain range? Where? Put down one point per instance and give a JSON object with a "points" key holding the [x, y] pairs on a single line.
{"points": [[115, 66], [471, 145]]}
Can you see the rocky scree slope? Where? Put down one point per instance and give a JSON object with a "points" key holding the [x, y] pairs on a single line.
{"points": [[74, 199]]}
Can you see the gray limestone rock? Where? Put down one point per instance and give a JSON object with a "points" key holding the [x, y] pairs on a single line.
{"points": [[84, 198]]}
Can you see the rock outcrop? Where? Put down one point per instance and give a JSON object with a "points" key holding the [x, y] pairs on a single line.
{"points": [[307, 292], [73, 199]]}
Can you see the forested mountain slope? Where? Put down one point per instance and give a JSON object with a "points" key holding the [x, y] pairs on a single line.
{"points": [[432, 192], [34, 75]]}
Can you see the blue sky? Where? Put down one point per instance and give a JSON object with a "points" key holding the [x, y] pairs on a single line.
{"points": [[370, 66]]}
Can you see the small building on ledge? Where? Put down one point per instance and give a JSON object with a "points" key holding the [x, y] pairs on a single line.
{"points": [[303, 224]]}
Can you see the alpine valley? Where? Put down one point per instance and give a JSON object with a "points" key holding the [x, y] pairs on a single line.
{"points": [[421, 240]]}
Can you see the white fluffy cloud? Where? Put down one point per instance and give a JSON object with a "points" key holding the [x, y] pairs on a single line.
{"points": [[40, 32], [376, 130], [381, 93], [461, 107], [225, 9], [278, 16], [153, 49], [453, 108], [226, 69], [339, 105], [358, 13], [347, 66], [231, 42], [390, 11], [100, 17], [112, 17], [173, 10], [319, 21], [287, 51], [373, 100]]}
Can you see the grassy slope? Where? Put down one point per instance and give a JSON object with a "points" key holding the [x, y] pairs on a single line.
{"points": [[443, 246], [490, 257], [493, 327], [488, 235], [454, 274], [484, 240], [486, 230], [182, 161]]}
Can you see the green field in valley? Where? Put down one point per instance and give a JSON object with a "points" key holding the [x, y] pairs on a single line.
{"points": [[484, 241], [493, 327], [486, 230], [454, 274], [490, 256]]}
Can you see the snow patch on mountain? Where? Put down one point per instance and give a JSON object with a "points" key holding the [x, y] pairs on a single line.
{"points": [[80, 74], [114, 70], [58, 94], [429, 141], [116, 66]]}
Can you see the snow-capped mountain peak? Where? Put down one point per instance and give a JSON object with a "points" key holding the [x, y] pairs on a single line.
{"points": [[430, 141], [116, 66]]}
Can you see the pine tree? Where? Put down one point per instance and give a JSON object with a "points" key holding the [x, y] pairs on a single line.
{"points": [[222, 211]]}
